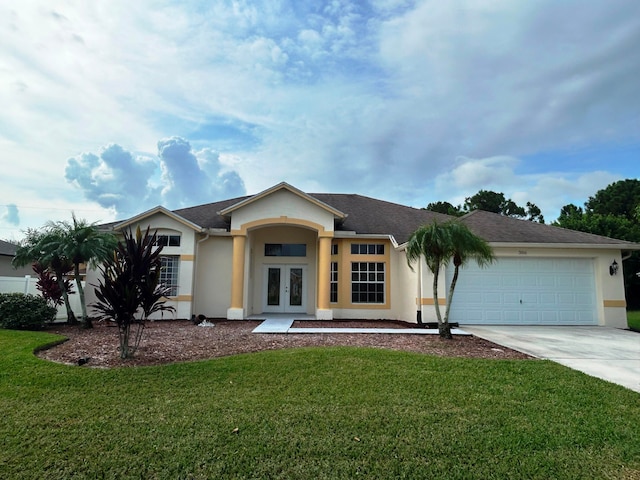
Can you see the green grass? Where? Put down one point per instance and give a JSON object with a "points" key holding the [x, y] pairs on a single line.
{"points": [[312, 413], [633, 319]]}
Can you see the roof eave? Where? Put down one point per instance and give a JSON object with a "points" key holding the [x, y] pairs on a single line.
{"points": [[582, 246], [283, 186], [153, 211]]}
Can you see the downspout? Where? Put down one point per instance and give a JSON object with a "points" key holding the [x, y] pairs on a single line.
{"points": [[419, 297], [195, 269]]}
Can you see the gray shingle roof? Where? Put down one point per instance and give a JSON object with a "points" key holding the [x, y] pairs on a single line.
{"points": [[366, 215], [8, 249], [496, 228]]}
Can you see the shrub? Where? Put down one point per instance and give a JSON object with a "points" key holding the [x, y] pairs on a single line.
{"points": [[24, 312]]}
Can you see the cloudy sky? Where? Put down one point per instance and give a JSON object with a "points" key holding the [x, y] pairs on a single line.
{"points": [[109, 108]]}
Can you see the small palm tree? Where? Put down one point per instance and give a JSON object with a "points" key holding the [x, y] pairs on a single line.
{"points": [[44, 247], [439, 244], [83, 243]]}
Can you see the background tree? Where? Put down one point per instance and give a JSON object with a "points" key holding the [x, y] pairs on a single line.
{"points": [[611, 212], [619, 198], [439, 244], [43, 247], [83, 243], [131, 286], [495, 202], [446, 208]]}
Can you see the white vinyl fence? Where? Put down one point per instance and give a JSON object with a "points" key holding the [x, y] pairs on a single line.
{"points": [[27, 284]]}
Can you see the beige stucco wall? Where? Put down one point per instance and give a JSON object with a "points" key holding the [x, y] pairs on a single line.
{"points": [[165, 225], [213, 277], [7, 270], [280, 204]]}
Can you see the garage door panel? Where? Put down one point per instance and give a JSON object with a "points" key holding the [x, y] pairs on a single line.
{"points": [[547, 298], [526, 291], [492, 299], [511, 298]]}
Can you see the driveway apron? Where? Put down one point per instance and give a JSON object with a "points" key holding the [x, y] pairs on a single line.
{"points": [[608, 353]]}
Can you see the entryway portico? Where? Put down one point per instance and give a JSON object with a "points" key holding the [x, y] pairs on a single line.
{"points": [[281, 254]]}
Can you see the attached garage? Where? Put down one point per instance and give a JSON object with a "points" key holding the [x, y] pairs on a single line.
{"points": [[526, 291]]}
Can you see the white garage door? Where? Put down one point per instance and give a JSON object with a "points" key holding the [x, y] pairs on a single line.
{"points": [[525, 291]]}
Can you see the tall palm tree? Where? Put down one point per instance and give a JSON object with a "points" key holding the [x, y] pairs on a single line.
{"points": [[83, 243], [439, 244], [44, 248]]}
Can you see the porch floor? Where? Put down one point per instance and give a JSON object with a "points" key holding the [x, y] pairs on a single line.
{"points": [[281, 323]]}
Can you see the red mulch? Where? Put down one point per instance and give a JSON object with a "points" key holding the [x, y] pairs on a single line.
{"points": [[181, 341]]}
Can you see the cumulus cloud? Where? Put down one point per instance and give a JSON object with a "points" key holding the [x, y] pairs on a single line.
{"points": [[11, 215], [178, 177], [549, 191]]}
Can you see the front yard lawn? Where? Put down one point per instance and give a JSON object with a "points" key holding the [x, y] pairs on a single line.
{"points": [[312, 413], [633, 320]]}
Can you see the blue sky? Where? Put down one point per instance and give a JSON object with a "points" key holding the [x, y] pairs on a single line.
{"points": [[110, 108]]}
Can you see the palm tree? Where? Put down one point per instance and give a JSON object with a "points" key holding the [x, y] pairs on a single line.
{"points": [[83, 243], [44, 248], [439, 244]]}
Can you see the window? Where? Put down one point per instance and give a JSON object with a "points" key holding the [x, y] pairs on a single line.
{"points": [[367, 249], [285, 250], [167, 241], [367, 282], [169, 273], [334, 249], [334, 283]]}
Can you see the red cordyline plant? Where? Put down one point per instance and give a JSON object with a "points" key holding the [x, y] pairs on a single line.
{"points": [[49, 286], [130, 290]]}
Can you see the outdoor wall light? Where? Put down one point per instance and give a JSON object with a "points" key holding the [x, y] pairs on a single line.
{"points": [[613, 268]]}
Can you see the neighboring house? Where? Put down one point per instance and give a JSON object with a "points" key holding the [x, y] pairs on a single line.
{"points": [[7, 252], [341, 256]]}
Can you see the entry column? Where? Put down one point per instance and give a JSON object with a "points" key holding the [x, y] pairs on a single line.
{"points": [[323, 310], [236, 311]]}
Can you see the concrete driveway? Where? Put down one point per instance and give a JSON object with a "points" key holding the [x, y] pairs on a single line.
{"points": [[608, 353]]}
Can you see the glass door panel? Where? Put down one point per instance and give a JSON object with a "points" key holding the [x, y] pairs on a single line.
{"points": [[273, 286], [295, 287]]}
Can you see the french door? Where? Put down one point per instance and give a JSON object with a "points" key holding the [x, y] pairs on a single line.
{"points": [[285, 289]]}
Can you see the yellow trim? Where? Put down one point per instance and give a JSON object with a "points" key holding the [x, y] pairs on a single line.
{"points": [[430, 301], [237, 276], [187, 257], [324, 273], [615, 303], [345, 258], [283, 220]]}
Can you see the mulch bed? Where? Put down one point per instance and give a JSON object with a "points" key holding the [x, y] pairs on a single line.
{"points": [[181, 341]]}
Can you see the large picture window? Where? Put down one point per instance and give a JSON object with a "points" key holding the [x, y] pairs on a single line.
{"points": [[169, 273], [367, 282]]}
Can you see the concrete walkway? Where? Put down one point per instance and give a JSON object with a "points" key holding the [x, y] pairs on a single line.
{"points": [[282, 324], [607, 353]]}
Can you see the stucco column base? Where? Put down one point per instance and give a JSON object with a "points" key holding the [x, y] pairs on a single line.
{"points": [[235, 314], [323, 314]]}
